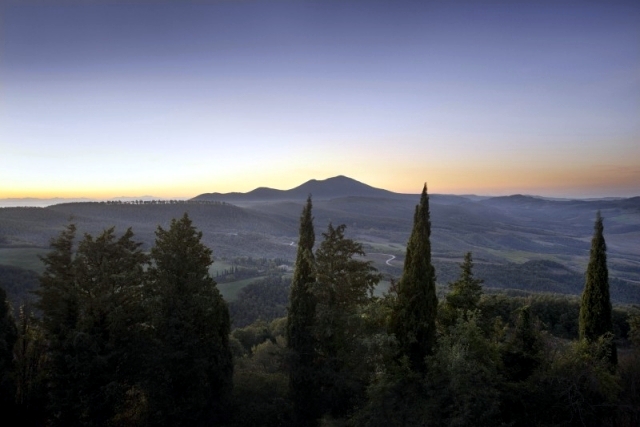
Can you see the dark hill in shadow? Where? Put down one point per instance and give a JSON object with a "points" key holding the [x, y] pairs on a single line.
{"points": [[330, 188]]}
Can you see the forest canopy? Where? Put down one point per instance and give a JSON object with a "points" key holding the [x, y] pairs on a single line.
{"points": [[119, 336]]}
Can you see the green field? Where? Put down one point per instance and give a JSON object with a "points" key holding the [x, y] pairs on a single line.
{"points": [[28, 258], [386, 248], [381, 288], [23, 257], [219, 267], [230, 290], [520, 257]]}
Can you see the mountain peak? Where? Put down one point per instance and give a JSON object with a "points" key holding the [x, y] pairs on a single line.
{"points": [[330, 188]]}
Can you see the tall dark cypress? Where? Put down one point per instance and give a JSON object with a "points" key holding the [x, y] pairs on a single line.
{"points": [[414, 317], [595, 307], [303, 377]]}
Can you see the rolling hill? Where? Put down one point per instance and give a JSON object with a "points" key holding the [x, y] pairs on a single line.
{"points": [[519, 242], [331, 188]]}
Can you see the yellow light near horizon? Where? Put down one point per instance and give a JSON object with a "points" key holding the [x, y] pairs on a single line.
{"points": [[89, 191], [493, 179], [481, 179]]}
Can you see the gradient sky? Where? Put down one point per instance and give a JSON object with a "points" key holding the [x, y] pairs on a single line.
{"points": [[173, 99]]}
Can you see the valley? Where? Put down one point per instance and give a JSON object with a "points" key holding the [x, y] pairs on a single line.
{"points": [[518, 242]]}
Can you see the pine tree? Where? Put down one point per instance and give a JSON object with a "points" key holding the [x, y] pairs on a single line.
{"points": [[30, 350], [57, 293], [92, 318], [303, 381], [8, 337], [467, 290], [414, 318], [109, 274], [344, 285], [193, 362], [522, 353], [58, 303], [465, 294], [595, 307]]}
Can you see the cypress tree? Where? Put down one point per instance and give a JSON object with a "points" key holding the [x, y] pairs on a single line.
{"points": [[414, 317], [303, 381], [595, 307]]}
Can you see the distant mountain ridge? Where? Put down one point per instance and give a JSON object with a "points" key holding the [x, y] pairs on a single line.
{"points": [[342, 186], [38, 202], [13, 202], [330, 188], [518, 241], [333, 188]]}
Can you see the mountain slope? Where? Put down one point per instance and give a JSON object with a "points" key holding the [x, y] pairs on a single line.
{"points": [[518, 242], [330, 188]]}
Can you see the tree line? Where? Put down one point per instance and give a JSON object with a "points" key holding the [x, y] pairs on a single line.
{"points": [[119, 337], [160, 202]]}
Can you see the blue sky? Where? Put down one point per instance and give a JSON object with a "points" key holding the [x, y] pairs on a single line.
{"points": [[173, 99]]}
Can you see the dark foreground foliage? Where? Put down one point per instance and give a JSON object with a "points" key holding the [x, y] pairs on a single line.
{"points": [[120, 337]]}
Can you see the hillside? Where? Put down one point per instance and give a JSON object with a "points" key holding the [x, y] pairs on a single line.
{"points": [[331, 188], [519, 242]]}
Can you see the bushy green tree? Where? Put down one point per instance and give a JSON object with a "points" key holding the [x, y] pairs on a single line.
{"points": [[91, 304], [8, 337], [261, 378], [344, 285], [252, 335], [463, 379], [303, 377], [464, 295], [522, 352], [58, 303], [109, 274], [522, 355], [634, 329], [414, 318], [193, 361], [397, 397], [595, 307], [629, 373], [577, 389], [30, 350]]}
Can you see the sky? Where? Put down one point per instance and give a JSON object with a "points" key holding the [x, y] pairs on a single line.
{"points": [[103, 99]]}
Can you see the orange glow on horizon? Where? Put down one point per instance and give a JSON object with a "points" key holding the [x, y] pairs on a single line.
{"points": [[480, 180]]}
